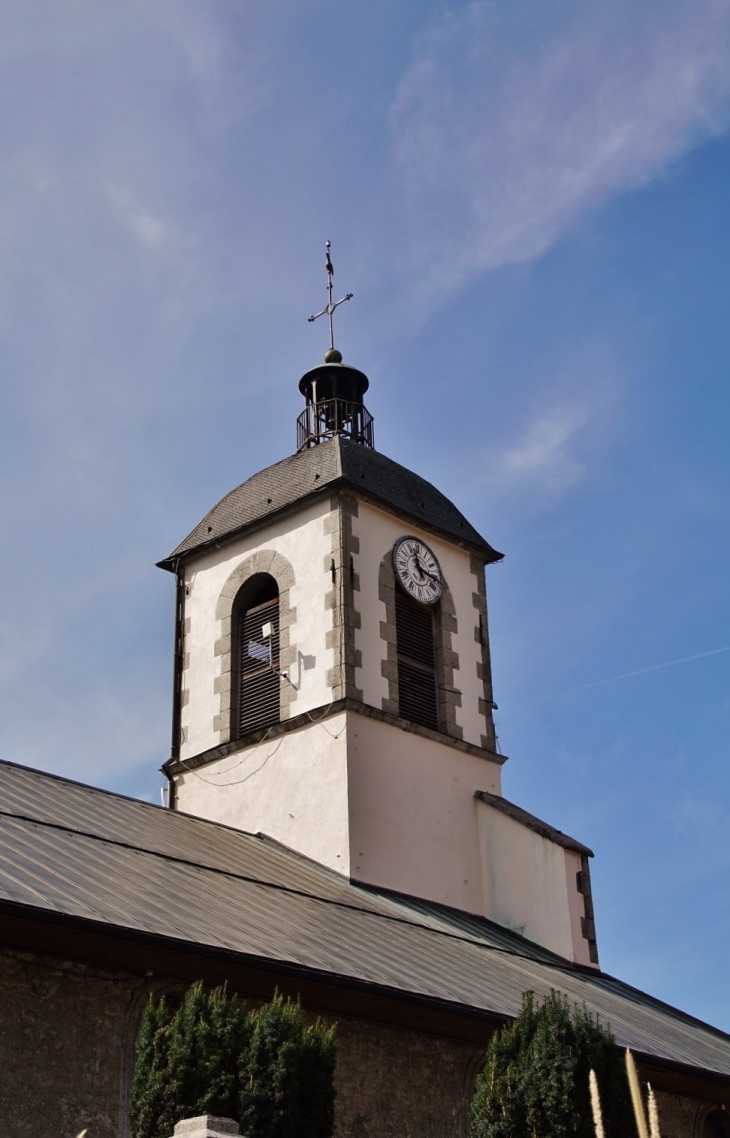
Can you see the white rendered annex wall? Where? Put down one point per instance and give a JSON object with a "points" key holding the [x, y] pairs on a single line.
{"points": [[378, 531], [530, 884], [301, 539]]}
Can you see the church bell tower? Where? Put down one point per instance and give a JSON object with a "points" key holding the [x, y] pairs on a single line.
{"points": [[333, 686]]}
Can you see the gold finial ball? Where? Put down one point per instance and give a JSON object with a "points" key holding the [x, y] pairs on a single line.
{"points": [[332, 356]]}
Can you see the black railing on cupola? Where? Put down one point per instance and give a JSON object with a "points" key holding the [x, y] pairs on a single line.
{"points": [[321, 421], [334, 405]]}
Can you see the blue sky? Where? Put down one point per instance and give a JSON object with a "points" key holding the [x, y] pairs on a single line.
{"points": [[532, 213]]}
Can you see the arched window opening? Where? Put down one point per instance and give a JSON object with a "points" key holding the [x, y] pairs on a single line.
{"points": [[257, 690], [417, 689], [716, 1124]]}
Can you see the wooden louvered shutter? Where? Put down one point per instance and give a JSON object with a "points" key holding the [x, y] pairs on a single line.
{"points": [[416, 662], [259, 684]]}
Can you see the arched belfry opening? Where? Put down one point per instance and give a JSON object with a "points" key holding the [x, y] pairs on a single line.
{"points": [[256, 688]]}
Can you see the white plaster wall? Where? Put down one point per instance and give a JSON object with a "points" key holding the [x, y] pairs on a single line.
{"points": [[378, 532], [301, 539], [526, 881], [413, 815], [293, 788]]}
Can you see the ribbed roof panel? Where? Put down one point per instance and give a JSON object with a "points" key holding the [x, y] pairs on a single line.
{"points": [[71, 850]]}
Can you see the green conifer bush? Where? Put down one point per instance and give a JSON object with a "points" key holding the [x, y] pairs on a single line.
{"points": [[535, 1078], [264, 1067]]}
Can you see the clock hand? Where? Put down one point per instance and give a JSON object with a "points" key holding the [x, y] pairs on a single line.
{"points": [[423, 569]]}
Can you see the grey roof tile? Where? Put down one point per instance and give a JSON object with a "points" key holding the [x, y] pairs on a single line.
{"points": [[72, 850], [338, 462]]}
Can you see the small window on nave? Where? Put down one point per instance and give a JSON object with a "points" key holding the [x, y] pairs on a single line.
{"points": [[716, 1124], [257, 688], [417, 690]]}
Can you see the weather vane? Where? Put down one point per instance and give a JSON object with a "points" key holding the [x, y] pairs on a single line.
{"points": [[329, 310]]}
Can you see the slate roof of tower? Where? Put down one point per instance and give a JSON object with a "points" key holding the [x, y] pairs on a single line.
{"points": [[338, 462], [92, 860]]}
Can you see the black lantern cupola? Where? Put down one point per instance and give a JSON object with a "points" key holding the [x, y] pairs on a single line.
{"points": [[333, 391]]}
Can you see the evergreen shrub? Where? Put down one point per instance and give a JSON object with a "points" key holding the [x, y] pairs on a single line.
{"points": [[535, 1078], [264, 1067]]}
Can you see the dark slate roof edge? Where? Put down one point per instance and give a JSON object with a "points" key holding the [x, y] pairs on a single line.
{"points": [[544, 829], [179, 552], [341, 478], [170, 563], [175, 558]]}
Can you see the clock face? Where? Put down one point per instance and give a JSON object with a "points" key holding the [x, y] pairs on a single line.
{"points": [[418, 570]]}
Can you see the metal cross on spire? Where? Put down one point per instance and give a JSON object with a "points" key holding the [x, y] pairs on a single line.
{"points": [[329, 309]]}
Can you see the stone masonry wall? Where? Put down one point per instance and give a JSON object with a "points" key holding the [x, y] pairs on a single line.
{"points": [[67, 1034]]}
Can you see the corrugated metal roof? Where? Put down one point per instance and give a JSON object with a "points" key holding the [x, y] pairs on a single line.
{"points": [[336, 462], [73, 850]]}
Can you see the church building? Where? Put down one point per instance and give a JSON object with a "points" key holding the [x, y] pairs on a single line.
{"points": [[335, 823]]}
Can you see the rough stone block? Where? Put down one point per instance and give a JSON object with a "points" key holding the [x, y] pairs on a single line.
{"points": [[222, 645], [206, 1126], [282, 570], [387, 632]]}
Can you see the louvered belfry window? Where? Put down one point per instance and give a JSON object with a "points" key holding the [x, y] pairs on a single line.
{"points": [[417, 692], [259, 685]]}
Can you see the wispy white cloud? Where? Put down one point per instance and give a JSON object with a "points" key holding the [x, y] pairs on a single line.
{"points": [[500, 141], [154, 230], [543, 454], [653, 668]]}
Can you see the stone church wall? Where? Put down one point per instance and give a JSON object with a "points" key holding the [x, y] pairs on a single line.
{"points": [[67, 1049], [67, 1034]]}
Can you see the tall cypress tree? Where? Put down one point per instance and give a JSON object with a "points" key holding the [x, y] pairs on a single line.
{"points": [[287, 1075], [535, 1078], [264, 1067]]}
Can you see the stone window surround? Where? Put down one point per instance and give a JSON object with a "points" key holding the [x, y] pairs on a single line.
{"points": [[484, 666], [274, 564], [340, 598], [447, 661]]}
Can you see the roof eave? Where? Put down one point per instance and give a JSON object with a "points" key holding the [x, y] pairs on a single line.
{"points": [[490, 555]]}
